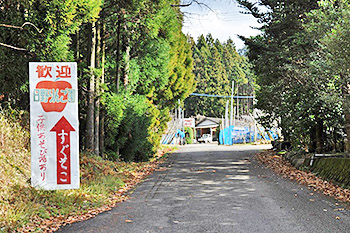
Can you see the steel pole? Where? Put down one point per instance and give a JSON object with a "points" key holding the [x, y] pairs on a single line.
{"points": [[231, 112]]}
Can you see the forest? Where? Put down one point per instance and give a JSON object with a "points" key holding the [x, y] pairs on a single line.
{"points": [[301, 63], [134, 64], [216, 65]]}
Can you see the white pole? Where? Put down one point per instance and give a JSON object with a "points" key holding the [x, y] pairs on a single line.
{"points": [[226, 115], [231, 112], [223, 127], [255, 129], [183, 120], [175, 115], [237, 102], [222, 123], [234, 117], [179, 121]]}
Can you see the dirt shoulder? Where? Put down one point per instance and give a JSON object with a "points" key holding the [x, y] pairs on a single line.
{"points": [[276, 163]]}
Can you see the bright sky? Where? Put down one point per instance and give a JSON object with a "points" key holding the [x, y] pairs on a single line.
{"points": [[223, 20]]}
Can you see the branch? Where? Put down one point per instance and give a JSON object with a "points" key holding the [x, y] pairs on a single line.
{"points": [[22, 27], [12, 47], [182, 5], [200, 4], [192, 1]]}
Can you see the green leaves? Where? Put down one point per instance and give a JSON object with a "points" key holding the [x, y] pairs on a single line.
{"points": [[297, 90], [140, 45]]}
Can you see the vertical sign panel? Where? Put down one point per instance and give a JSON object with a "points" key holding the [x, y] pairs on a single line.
{"points": [[54, 125]]}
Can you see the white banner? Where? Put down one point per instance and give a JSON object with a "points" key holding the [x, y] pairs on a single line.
{"points": [[54, 125], [190, 122]]}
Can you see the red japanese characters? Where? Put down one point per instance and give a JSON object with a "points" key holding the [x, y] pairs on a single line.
{"points": [[63, 129]]}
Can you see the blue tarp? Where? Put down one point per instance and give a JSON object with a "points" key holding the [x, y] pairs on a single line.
{"points": [[232, 135], [180, 133]]}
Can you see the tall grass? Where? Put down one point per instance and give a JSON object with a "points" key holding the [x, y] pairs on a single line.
{"points": [[14, 167]]}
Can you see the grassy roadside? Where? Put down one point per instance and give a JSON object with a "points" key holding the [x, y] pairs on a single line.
{"points": [[25, 209]]}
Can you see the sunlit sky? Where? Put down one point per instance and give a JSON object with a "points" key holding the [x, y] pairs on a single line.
{"points": [[222, 19]]}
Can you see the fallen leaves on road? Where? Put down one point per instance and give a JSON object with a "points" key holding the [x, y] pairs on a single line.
{"points": [[283, 167]]}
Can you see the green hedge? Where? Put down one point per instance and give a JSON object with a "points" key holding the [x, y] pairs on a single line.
{"points": [[189, 135], [134, 127], [334, 169]]}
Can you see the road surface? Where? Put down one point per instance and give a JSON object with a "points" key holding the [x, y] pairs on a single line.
{"points": [[210, 188]]}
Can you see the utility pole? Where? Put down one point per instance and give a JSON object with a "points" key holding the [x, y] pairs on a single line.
{"points": [[222, 123], [231, 112], [179, 123], [226, 115], [255, 128], [234, 116], [222, 128], [175, 116], [237, 102], [183, 121]]}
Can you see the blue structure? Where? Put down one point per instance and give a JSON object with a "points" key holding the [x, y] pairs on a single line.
{"points": [[232, 135]]}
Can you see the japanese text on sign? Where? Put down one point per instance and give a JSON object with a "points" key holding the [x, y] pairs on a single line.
{"points": [[54, 125]]}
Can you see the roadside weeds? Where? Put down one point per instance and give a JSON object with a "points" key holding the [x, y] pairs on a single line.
{"points": [[104, 184]]}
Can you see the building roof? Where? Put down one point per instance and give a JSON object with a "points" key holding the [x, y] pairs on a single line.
{"points": [[208, 122]]}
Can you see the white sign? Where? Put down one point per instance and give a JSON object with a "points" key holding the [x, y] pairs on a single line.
{"points": [[54, 125], [189, 122]]}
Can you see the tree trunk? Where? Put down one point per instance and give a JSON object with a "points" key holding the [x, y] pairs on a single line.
{"points": [[77, 46], [126, 66], [127, 58], [117, 72], [77, 52], [346, 110], [312, 146], [97, 90], [334, 136], [102, 113], [347, 128], [319, 135], [91, 104]]}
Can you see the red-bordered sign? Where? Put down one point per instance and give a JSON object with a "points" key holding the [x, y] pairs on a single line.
{"points": [[54, 125]]}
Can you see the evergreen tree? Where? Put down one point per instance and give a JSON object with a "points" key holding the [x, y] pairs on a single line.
{"points": [[292, 87], [216, 66], [134, 64]]}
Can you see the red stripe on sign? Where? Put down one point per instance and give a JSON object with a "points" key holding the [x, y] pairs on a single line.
{"points": [[63, 129]]}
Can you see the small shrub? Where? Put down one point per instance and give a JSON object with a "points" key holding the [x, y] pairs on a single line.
{"points": [[189, 135], [134, 127]]}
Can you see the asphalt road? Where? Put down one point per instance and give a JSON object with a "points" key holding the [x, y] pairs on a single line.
{"points": [[210, 188]]}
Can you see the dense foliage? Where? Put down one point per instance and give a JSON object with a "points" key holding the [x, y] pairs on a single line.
{"points": [[216, 65], [299, 90], [134, 65]]}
